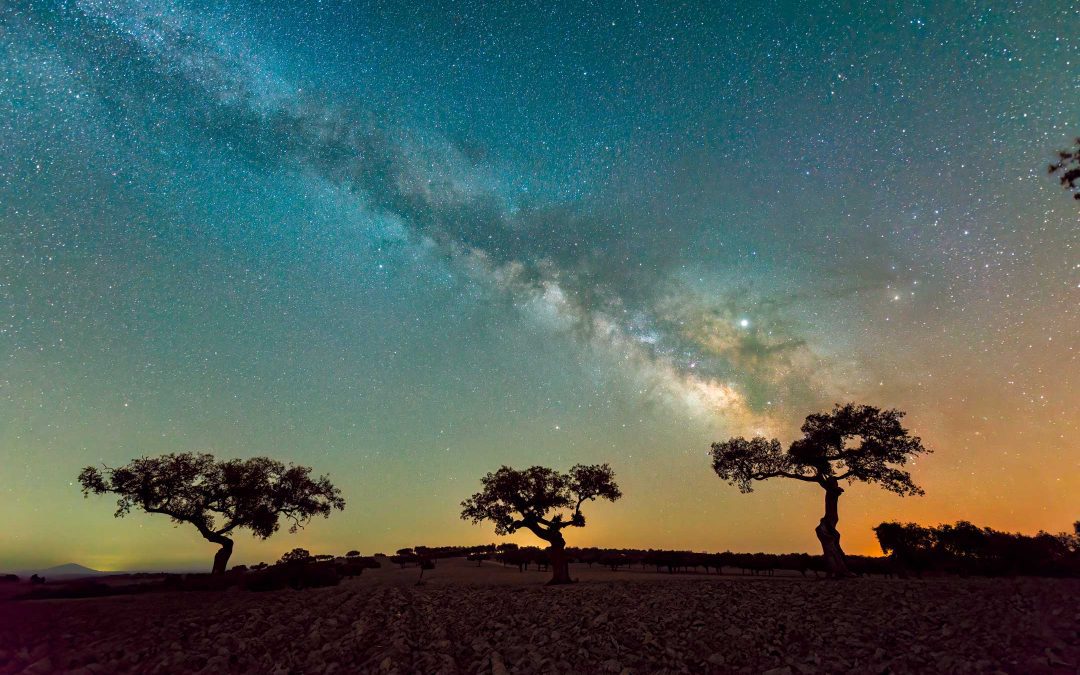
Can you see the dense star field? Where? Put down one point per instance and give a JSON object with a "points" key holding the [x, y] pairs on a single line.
{"points": [[407, 244]]}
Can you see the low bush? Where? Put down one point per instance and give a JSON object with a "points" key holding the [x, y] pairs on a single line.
{"points": [[293, 575]]}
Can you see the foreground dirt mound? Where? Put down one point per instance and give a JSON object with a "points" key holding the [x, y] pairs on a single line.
{"points": [[627, 626]]}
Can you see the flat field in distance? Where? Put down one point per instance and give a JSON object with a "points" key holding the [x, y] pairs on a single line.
{"points": [[467, 618]]}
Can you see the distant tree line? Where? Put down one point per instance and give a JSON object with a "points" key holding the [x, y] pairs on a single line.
{"points": [[955, 550], [669, 561], [966, 549]]}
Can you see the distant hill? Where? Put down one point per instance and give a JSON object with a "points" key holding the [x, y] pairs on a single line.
{"points": [[66, 571]]}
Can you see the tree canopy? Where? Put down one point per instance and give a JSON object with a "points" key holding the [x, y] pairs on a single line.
{"points": [[512, 499], [217, 497], [853, 443], [297, 555], [1067, 169]]}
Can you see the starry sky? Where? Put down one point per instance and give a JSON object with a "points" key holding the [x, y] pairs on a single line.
{"points": [[405, 243]]}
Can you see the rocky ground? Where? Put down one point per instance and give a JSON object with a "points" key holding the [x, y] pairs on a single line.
{"points": [[494, 620]]}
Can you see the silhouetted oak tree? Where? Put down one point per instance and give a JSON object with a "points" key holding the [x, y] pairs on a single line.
{"points": [[296, 556], [217, 497], [1067, 169], [853, 443], [515, 499]]}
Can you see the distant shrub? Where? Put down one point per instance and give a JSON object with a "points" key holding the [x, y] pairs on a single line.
{"points": [[437, 552], [207, 582], [521, 556], [9, 578], [172, 582], [354, 566], [612, 560], [83, 589], [425, 564], [297, 576], [350, 569], [266, 580], [405, 560], [352, 554], [297, 555], [865, 566]]}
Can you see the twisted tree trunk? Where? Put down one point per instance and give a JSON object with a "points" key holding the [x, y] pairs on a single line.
{"points": [[560, 565], [827, 533], [221, 558]]}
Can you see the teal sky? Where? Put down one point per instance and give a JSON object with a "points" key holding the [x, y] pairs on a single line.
{"points": [[406, 245]]}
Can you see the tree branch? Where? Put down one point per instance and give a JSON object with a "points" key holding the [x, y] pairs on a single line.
{"points": [[205, 531], [784, 474], [229, 528]]}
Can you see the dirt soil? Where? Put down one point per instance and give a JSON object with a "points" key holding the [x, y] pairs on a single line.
{"points": [[493, 619]]}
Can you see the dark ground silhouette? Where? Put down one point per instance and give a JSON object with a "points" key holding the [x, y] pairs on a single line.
{"points": [[495, 619]]}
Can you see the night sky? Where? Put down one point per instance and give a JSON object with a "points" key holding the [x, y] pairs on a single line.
{"points": [[407, 244]]}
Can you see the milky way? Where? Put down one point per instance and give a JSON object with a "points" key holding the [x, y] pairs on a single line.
{"points": [[406, 245]]}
